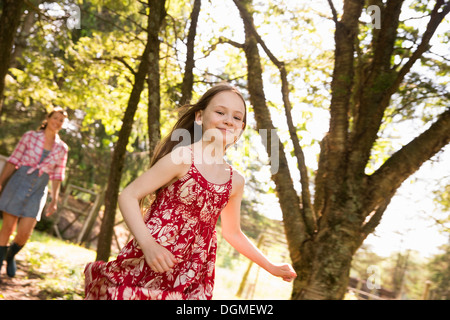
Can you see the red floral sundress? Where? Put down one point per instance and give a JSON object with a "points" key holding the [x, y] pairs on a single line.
{"points": [[182, 219]]}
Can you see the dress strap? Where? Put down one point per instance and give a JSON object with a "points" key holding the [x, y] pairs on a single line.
{"points": [[192, 154]]}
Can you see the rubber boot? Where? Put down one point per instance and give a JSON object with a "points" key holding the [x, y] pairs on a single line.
{"points": [[11, 267], [3, 250]]}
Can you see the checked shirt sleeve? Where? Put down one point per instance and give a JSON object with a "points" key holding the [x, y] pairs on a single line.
{"points": [[60, 168], [18, 152]]}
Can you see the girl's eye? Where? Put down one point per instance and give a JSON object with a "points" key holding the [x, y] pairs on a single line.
{"points": [[237, 118], [220, 112]]}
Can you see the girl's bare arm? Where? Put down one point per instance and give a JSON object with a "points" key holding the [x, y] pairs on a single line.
{"points": [[231, 231], [160, 174]]}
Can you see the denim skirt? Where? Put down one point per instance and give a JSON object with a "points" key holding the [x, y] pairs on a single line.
{"points": [[25, 194]]}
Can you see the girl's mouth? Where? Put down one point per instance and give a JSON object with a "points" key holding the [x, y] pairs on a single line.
{"points": [[226, 130]]}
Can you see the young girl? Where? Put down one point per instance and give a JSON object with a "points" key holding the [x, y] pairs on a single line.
{"points": [[40, 156], [173, 252]]}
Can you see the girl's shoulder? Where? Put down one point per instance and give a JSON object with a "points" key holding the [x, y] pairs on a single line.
{"points": [[238, 182], [33, 133], [178, 162], [181, 155], [30, 137]]}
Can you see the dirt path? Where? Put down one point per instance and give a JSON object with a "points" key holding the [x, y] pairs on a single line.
{"points": [[24, 286], [46, 270], [49, 268]]}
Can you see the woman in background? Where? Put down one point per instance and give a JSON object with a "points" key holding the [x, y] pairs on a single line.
{"points": [[40, 156]]}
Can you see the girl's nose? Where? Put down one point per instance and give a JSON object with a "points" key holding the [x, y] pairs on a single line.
{"points": [[228, 121]]}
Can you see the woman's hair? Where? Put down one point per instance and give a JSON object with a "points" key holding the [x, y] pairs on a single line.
{"points": [[187, 120], [56, 109]]}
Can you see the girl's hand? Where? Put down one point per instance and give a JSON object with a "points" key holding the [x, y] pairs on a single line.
{"points": [[158, 258], [284, 271]]}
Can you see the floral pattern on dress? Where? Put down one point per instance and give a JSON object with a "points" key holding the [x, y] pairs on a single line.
{"points": [[182, 219]]}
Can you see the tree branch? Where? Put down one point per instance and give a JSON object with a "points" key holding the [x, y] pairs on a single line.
{"points": [[308, 210], [373, 97], [231, 42], [333, 11], [133, 35], [384, 38], [388, 178], [374, 219], [436, 18], [117, 58], [129, 67]]}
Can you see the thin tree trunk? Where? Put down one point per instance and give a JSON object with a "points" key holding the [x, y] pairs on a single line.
{"points": [[188, 79], [9, 21], [118, 161], [156, 18], [118, 158]]}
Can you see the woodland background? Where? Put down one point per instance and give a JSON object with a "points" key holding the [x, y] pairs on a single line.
{"points": [[123, 68]]}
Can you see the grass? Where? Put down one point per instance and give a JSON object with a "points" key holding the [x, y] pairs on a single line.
{"points": [[59, 267]]}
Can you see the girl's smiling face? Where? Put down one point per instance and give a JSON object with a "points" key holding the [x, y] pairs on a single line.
{"points": [[225, 115]]}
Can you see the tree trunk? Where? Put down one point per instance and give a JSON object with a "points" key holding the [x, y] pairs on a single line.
{"points": [[118, 158], [156, 17], [9, 21], [188, 79]]}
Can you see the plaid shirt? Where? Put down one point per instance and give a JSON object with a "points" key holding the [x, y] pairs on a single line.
{"points": [[29, 150]]}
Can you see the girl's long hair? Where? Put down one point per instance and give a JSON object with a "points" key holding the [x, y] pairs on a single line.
{"points": [[187, 122]]}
